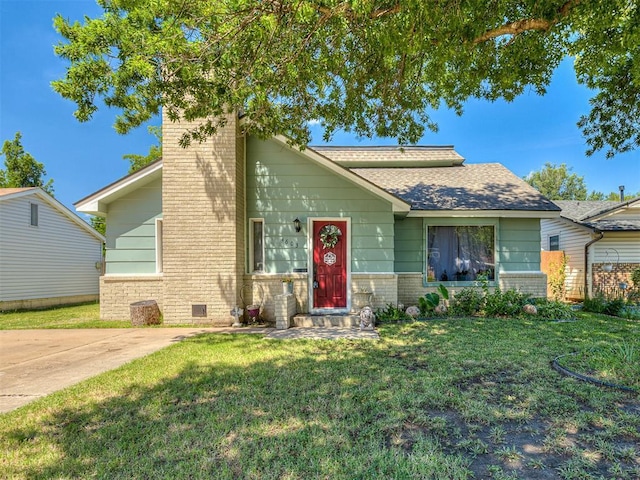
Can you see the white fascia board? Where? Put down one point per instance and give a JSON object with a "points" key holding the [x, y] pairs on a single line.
{"points": [[398, 205], [483, 213], [97, 203], [578, 225], [615, 210]]}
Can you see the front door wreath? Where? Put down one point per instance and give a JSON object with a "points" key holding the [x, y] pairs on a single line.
{"points": [[329, 235]]}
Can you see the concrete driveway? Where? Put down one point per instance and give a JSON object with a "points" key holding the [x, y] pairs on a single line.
{"points": [[34, 363]]}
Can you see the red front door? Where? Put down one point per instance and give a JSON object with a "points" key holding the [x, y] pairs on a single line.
{"points": [[329, 264]]}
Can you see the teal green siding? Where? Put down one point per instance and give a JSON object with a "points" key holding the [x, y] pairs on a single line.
{"points": [[131, 231], [409, 245], [519, 247], [282, 185]]}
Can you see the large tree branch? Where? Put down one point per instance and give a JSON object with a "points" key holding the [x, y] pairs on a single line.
{"points": [[528, 24]]}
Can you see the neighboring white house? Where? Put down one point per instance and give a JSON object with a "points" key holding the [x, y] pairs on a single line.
{"points": [[603, 235], [48, 255]]}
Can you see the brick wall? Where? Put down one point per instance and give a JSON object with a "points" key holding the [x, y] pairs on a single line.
{"points": [[609, 282], [533, 283], [203, 233], [383, 286], [118, 292], [268, 287]]}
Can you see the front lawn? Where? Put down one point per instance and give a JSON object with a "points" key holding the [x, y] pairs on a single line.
{"points": [[75, 316], [441, 399]]}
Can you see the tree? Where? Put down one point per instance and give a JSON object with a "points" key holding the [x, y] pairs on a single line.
{"points": [[371, 67], [556, 183], [22, 170], [613, 196], [99, 224], [155, 152]]}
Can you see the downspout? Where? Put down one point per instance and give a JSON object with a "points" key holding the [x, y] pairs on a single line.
{"points": [[586, 260]]}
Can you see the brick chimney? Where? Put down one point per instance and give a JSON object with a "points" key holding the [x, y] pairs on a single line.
{"points": [[203, 224]]}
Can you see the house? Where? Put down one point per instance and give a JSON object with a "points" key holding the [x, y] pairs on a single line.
{"points": [[604, 236], [48, 255], [222, 223]]}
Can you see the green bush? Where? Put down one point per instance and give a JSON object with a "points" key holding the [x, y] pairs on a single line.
{"points": [[595, 304], [600, 304], [553, 310], [391, 314], [467, 302], [504, 304], [431, 300]]}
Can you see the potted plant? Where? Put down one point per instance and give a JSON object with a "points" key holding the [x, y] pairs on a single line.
{"points": [[287, 285]]}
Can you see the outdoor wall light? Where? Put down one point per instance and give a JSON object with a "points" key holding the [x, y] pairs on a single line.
{"points": [[296, 224]]}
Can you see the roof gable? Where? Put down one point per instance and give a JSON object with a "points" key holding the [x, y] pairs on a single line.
{"points": [[96, 203], [12, 193], [602, 215]]}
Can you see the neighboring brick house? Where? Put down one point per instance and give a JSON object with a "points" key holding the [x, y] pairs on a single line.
{"points": [[221, 223], [604, 236]]}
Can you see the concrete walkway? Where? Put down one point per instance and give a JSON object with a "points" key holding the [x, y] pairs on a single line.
{"points": [[35, 363]]}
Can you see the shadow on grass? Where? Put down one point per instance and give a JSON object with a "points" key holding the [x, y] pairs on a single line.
{"points": [[430, 401]]}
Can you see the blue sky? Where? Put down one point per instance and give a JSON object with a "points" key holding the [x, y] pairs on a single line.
{"points": [[84, 157]]}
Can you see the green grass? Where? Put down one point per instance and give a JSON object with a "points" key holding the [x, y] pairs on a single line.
{"points": [[76, 316], [444, 399]]}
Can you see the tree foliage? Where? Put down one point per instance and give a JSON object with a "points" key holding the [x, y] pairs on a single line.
{"points": [[21, 169], [556, 183], [155, 152], [375, 68]]}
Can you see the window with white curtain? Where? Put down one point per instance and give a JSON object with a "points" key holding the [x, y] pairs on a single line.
{"points": [[460, 254]]}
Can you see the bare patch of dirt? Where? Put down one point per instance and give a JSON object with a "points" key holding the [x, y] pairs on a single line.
{"points": [[531, 449]]}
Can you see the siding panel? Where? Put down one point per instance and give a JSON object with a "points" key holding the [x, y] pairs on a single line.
{"points": [[57, 258], [282, 185], [131, 231]]}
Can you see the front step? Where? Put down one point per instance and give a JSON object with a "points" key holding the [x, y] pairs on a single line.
{"points": [[344, 321]]}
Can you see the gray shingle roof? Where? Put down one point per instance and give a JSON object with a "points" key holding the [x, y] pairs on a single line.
{"points": [[354, 157], [487, 186], [584, 211], [577, 210]]}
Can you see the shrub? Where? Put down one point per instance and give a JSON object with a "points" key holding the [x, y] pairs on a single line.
{"points": [[600, 304], [391, 314], [504, 304], [553, 310], [556, 277], [429, 303], [467, 302], [594, 304], [635, 278]]}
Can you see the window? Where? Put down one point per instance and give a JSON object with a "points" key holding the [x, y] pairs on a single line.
{"points": [[34, 214], [458, 254], [158, 245], [554, 243], [256, 253]]}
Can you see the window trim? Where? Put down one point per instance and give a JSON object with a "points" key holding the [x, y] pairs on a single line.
{"points": [[159, 248], [251, 256], [460, 283]]}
